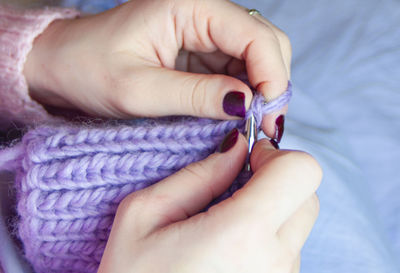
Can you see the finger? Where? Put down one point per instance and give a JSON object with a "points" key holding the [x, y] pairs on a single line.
{"points": [[294, 232], [243, 37], [286, 49], [163, 92], [283, 39], [239, 35], [277, 119], [281, 182], [217, 63], [188, 191], [296, 265], [284, 42]]}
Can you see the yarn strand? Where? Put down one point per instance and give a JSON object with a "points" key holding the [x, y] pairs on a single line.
{"points": [[10, 158], [71, 178]]}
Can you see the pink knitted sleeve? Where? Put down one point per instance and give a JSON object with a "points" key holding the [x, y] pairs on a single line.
{"points": [[18, 30]]}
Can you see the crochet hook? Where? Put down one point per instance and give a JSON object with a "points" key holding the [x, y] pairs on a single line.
{"points": [[251, 136]]}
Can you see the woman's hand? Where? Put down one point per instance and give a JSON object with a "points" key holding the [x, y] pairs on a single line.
{"points": [[261, 228], [138, 59]]}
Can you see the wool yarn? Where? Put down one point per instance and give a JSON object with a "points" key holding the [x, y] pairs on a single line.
{"points": [[70, 178]]}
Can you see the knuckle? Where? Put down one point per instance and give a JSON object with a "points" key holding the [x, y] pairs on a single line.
{"points": [[286, 45], [296, 264], [136, 213], [197, 99], [284, 42], [287, 257], [291, 255], [132, 204], [268, 35], [308, 163], [314, 205], [303, 164], [311, 166], [197, 170], [283, 37]]}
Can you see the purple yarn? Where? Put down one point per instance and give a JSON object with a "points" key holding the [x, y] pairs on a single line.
{"points": [[259, 107], [70, 179]]}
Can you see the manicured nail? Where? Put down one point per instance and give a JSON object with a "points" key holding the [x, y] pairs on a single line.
{"points": [[279, 128], [234, 104], [229, 141], [274, 143]]}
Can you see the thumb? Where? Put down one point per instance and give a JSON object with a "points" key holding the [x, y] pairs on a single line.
{"points": [[188, 191], [163, 92]]}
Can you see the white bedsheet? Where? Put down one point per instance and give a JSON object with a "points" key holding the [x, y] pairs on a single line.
{"points": [[345, 111]]}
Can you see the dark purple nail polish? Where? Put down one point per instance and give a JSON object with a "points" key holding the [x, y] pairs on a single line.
{"points": [[229, 141], [274, 143], [234, 104], [279, 128]]}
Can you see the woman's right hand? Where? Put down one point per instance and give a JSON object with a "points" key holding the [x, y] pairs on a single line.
{"points": [[261, 228]]}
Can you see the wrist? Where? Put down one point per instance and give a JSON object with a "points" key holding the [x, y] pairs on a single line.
{"points": [[39, 70]]}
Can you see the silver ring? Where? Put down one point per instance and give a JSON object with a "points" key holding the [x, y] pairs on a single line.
{"points": [[253, 12]]}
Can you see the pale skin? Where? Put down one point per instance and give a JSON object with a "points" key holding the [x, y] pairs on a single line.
{"points": [[179, 57], [261, 228], [121, 63]]}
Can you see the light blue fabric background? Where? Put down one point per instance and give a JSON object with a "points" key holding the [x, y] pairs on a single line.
{"points": [[346, 112]]}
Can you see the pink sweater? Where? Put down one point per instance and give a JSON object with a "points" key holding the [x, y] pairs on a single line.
{"points": [[18, 30]]}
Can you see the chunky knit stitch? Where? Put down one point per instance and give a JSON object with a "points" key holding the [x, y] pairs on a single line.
{"points": [[70, 179]]}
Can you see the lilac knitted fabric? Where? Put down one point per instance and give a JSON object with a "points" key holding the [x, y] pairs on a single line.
{"points": [[70, 179]]}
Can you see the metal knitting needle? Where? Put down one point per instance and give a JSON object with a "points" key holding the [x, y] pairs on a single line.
{"points": [[251, 136]]}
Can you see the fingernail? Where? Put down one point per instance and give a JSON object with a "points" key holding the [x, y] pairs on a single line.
{"points": [[279, 128], [233, 104], [229, 141], [274, 143]]}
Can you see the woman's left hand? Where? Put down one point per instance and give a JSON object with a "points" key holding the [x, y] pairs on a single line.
{"points": [[161, 57]]}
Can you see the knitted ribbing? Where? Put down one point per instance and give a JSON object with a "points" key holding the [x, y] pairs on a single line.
{"points": [[70, 179], [18, 30]]}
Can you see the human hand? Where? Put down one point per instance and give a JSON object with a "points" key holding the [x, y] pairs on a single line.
{"points": [[261, 228], [138, 59]]}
